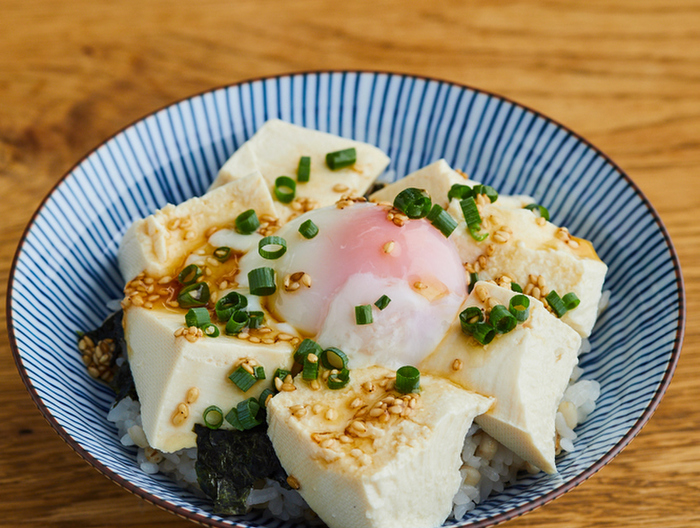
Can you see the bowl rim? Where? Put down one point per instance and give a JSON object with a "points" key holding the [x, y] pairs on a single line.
{"points": [[490, 521]]}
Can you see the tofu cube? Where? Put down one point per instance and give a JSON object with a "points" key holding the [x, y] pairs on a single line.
{"points": [[359, 464]]}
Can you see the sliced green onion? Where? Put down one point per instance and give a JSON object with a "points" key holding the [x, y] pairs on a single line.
{"points": [[483, 333], [281, 373], [278, 245], [189, 274], [308, 229], [237, 322], [243, 379], [248, 413], [247, 222], [442, 220], [407, 379], [538, 209], [474, 232], [264, 395], [556, 304], [304, 169], [460, 192], [232, 418], [211, 330], [414, 203], [571, 300], [194, 295], [306, 347], [285, 189], [338, 380], [256, 319], [262, 281], [470, 317], [473, 279], [470, 212], [382, 302], [228, 304], [516, 287], [213, 417], [489, 191], [222, 253], [501, 319], [334, 358], [310, 371], [197, 317], [520, 307], [363, 314], [341, 158]]}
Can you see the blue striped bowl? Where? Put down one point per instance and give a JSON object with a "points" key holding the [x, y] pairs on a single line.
{"points": [[66, 262]]}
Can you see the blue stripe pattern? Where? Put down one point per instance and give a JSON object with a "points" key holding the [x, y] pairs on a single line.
{"points": [[66, 265]]}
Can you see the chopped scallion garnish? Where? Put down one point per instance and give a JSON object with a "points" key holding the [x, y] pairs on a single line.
{"points": [[228, 304], [470, 317], [262, 281], [243, 379], [237, 322], [189, 274], [247, 222], [520, 307], [222, 253], [285, 189], [538, 209], [304, 169], [470, 212], [256, 319], [382, 302], [516, 287], [310, 370], [473, 279], [194, 295], [339, 380], [259, 372], [232, 418], [501, 319], [308, 229], [341, 158], [306, 347], [363, 314], [281, 373], [248, 411], [278, 245], [483, 333], [442, 220], [571, 300], [407, 379], [414, 203], [459, 191], [213, 417], [264, 395], [489, 191], [211, 330], [197, 317], [556, 303], [334, 358]]}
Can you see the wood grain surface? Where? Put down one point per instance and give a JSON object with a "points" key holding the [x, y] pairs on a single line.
{"points": [[623, 73]]}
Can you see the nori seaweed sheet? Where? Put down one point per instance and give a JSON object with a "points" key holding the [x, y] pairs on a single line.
{"points": [[229, 462]]}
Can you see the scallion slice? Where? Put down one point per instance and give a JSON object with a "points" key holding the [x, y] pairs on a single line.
{"points": [[247, 222], [382, 302], [211, 330], [363, 314], [308, 229], [516, 287], [262, 281], [473, 279], [243, 379], [407, 379], [194, 295], [459, 191], [489, 191], [281, 373], [341, 158], [310, 370], [248, 411], [259, 372], [222, 253], [304, 169], [189, 274], [256, 319], [334, 358], [556, 303], [501, 319], [538, 209], [442, 220], [213, 417], [470, 212], [237, 322], [272, 247], [228, 304], [414, 203], [232, 418], [470, 317], [571, 300], [285, 189], [519, 306], [306, 347], [483, 333], [339, 380], [197, 317], [264, 395]]}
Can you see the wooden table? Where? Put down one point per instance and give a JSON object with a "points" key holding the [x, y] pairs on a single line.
{"points": [[623, 73]]}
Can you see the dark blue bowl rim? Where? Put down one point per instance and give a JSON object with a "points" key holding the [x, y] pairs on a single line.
{"points": [[491, 521]]}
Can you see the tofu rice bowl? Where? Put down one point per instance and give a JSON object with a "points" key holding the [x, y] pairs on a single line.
{"points": [[303, 340]]}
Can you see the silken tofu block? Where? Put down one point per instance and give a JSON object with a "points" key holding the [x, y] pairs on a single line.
{"points": [[159, 243], [524, 247], [360, 465], [438, 178], [168, 371], [526, 370], [275, 150]]}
